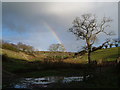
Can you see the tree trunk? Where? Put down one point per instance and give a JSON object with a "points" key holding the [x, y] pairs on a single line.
{"points": [[89, 50], [89, 56]]}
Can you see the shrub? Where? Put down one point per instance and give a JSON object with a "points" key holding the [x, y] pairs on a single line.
{"points": [[10, 46]]}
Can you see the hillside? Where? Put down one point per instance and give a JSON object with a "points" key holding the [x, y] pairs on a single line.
{"points": [[19, 61], [41, 55], [109, 54], [19, 64]]}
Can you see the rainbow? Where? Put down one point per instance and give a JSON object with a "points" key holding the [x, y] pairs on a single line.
{"points": [[53, 32]]}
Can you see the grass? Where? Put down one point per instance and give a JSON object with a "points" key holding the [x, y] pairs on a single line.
{"points": [[25, 65], [16, 55], [44, 60], [110, 54]]}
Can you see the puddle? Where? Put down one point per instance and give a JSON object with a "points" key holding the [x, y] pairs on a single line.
{"points": [[42, 82]]}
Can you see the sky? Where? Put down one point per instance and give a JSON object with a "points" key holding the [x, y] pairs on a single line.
{"points": [[41, 24]]}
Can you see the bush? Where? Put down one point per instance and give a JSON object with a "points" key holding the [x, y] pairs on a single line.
{"points": [[10, 46]]}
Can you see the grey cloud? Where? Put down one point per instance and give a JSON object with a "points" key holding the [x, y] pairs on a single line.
{"points": [[34, 14], [29, 17], [118, 20]]}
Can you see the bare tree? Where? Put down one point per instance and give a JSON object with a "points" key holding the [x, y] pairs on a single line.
{"points": [[57, 47], [25, 48], [87, 28]]}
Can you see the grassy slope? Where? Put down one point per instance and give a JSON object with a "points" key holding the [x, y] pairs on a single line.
{"points": [[19, 61], [107, 77], [109, 54], [16, 55], [39, 56]]}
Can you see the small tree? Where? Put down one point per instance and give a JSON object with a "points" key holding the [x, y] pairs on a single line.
{"points": [[106, 46], [111, 44], [87, 28], [25, 48], [116, 42], [22, 46], [57, 47]]}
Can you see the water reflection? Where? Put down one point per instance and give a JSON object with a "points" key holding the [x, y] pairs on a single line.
{"points": [[44, 81]]}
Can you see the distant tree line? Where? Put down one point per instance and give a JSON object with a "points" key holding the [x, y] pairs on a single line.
{"points": [[18, 47], [107, 44], [111, 43]]}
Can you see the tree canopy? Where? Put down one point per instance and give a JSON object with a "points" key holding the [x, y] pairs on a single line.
{"points": [[88, 28], [56, 47]]}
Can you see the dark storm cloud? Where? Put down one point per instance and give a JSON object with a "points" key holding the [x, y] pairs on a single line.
{"points": [[29, 14], [29, 17], [19, 17], [119, 20]]}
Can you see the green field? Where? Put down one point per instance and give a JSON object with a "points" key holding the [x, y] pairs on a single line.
{"points": [[62, 64], [109, 54], [19, 60]]}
